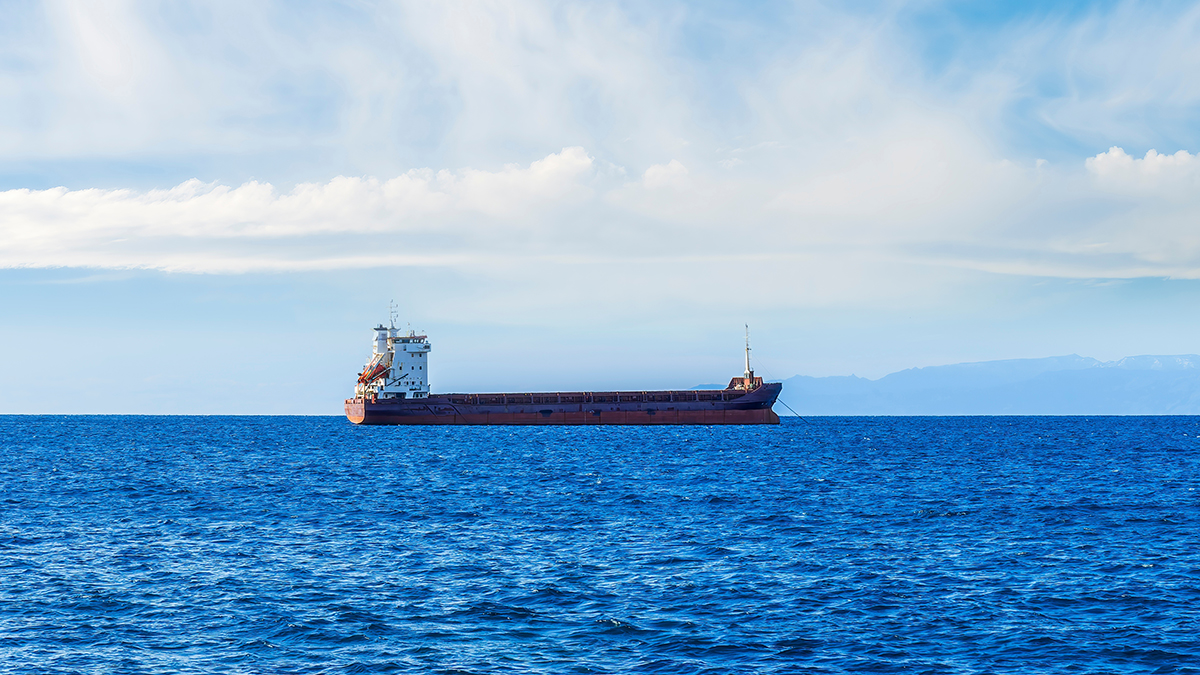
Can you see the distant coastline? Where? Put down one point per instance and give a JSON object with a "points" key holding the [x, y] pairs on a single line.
{"points": [[1058, 385]]}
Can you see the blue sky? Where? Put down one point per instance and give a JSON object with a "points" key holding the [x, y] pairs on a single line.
{"points": [[205, 206]]}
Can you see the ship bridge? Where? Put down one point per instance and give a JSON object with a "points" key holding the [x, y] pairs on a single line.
{"points": [[399, 366]]}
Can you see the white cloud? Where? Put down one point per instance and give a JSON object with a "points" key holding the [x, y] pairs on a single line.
{"points": [[1178, 173], [508, 192], [670, 175], [909, 204], [206, 227]]}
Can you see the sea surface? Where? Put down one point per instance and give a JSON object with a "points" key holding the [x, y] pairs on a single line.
{"points": [[823, 545]]}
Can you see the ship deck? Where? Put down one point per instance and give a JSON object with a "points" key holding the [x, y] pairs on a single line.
{"points": [[584, 397]]}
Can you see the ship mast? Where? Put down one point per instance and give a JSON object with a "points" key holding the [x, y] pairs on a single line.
{"points": [[749, 373]]}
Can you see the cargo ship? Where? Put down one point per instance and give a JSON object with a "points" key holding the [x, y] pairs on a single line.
{"points": [[393, 388]]}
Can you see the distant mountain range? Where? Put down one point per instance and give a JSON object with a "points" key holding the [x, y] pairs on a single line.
{"points": [[1058, 385]]}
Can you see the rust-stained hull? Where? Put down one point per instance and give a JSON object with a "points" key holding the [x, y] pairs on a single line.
{"points": [[727, 406]]}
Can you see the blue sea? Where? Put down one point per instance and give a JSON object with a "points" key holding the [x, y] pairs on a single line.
{"points": [[823, 545]]}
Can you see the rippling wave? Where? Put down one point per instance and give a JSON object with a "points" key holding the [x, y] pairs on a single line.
{"points": [[827, 545]]}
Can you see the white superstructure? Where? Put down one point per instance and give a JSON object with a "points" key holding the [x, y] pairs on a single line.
{"points": [[399, 366]]}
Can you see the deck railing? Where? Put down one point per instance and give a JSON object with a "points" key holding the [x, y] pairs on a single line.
{"points": [[584, 397]]}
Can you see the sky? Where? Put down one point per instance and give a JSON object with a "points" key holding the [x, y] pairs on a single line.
{"points": [[206, 206]]}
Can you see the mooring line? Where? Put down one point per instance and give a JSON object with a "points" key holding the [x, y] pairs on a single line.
{"points": [[767, 372], [793, 411]]}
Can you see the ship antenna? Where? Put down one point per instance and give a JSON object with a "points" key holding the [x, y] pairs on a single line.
{"points": [[392, 312], [749, 373]]}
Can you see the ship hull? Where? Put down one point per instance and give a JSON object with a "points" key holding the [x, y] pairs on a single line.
{"points": [[604, 408]]}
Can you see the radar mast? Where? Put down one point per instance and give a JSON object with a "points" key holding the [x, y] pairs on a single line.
{"points": [[749, 372]]}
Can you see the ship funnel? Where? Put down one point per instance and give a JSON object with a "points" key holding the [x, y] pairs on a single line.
{"points": [[381, 338]]}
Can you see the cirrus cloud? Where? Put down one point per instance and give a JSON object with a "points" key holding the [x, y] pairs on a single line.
{"points": [[826, 132]]}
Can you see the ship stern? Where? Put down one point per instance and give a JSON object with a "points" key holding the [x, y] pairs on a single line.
{"points": [[356, 410]]}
